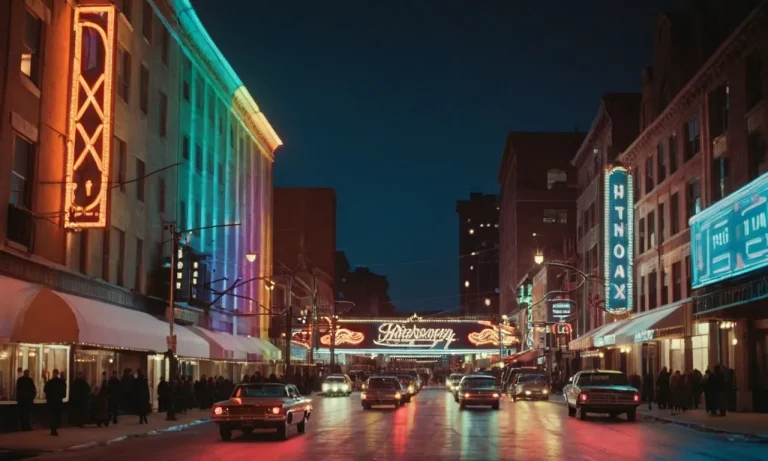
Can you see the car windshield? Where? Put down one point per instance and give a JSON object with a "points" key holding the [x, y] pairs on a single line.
{"points": [[456, 377], [382, 384], [531, 378], [479, 383], [335, 379], [609, 379], [261, 390]]}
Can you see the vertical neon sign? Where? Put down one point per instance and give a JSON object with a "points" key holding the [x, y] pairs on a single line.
{"points": [[90, 118], [619, 237]]}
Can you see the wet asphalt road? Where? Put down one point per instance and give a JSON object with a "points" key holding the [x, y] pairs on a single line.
{"points": [[433, 428]]}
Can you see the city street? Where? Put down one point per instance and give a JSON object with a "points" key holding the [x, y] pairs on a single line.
{"points": [[432, 428]]}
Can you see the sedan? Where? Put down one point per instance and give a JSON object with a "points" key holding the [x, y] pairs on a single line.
{"points": [[382, 390], [529, 386], [479, 390]]}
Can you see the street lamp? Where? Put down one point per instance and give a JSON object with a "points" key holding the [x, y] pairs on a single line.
{"points": [[539, 257], [251, 257], [487, 301]]}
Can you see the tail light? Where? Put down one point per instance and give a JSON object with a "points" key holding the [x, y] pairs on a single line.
{"points": [[466, 395], [496, 396], [362, 395], [398, 396], [218, 410], [276, 410], [636, 397], [583, 397]]}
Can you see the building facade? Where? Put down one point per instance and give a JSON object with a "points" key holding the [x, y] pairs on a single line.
{"points": [[479, 254], [537, 206], [118, 120]]}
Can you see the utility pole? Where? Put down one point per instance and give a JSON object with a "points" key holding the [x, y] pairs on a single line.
{"points": [[288, 322], [171, 354], [313, 321], [333, 336]]}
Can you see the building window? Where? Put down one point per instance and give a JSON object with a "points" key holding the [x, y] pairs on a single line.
{"points": [[146, 21], [124, 74], [140, 171], [674, 213], [677, 281], [144, 89], [197, 214], [692, 140], [185, 89], [30, 54], [651, 229], [649, 183], [754, 75], [662, 226], [182, 224], [210, 163], [198, 158], [21, 173], [185, 147], [688, 274], [125, 7], [653, 281], [664, 287], [673, 159], [562, 217], [641, 236], [199, 92], [163, 114], [720, 167], [161, 195], [556, 178], [139, 278], [106, 242], [758, 163], [637, 175], [165, 45], [719, 109], [120, 242], [661, 162], [641, 291], [122, 162], [694, 199], [555, 216]]}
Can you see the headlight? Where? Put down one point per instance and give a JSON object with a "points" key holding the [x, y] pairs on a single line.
{"points": [[362, 395], [276, 410], [345, 387], [335, 388], [364, 386], [495, 396], [545, 391], [527, 392], [326, 386], [411, 389], [218, 411], [398, 396]]}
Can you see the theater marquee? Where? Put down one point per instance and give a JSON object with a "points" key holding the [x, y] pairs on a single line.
{"points": [[619, 233], [90, 118]]}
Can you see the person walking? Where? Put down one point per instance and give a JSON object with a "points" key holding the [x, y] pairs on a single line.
{"points": [[686, 391], [55, 392], [141, 396], [25, 396], [662, 389], [114, 395], [100, 405], [648, 389], [696, 388], [675, 388], [162, 395], [80, 396]]}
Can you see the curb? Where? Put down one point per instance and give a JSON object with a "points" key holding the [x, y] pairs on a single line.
{"points": [[734, 435], [176, 428]]}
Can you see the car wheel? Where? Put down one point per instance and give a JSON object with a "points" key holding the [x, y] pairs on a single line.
{"points": [[225, 433], [282, 432], [582, 414], [571, 411], [495, 406], [302, 426], [632, 415]]}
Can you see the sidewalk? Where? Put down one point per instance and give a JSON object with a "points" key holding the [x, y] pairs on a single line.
{"points": [[752, 425], [77, 437]]}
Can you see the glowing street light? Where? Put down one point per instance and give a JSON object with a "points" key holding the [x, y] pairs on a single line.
{"points": [[487, 301], [539, 257], [251, 257]]}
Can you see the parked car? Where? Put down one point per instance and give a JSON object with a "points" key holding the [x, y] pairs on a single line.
{"points": [[602, 391], [262, 406]]}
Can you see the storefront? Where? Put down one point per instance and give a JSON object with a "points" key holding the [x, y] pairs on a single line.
{"points": [[596, 347]]}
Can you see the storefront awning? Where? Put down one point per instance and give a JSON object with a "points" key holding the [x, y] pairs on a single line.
{"points": [[270, 351], [31, 313], [522, 358], [642, 327], [596, 337], [225, 346]]}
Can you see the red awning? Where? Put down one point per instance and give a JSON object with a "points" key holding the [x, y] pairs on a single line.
{"points": [[521, 358]]}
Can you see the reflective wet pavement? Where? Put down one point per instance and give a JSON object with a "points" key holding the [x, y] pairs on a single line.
{"points": [[433, 428]]}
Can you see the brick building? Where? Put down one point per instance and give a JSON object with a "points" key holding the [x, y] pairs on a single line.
{"points": [[479, 254]]}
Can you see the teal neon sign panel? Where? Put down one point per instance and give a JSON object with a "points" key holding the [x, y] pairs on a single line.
{"points": [[619, 236], [730, 238]]}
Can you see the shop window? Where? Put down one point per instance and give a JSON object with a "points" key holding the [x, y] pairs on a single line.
{"points": [[754, 79], [700, 347], [692, 137], [31, 53], [720, 170], [661, 162], [719, 110], [758, 161], [673, 159], [674, 214], [39, 360], [95, 365]]}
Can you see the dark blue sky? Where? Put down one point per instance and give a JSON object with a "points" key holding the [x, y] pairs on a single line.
{"points": [[403, 106]]}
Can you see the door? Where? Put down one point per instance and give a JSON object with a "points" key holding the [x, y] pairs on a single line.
{"points": [[760, 379]]}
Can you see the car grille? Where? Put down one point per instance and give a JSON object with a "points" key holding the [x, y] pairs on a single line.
{"points": [[609, 398], [248, 410]]}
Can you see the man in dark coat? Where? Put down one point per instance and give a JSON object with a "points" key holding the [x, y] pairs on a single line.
{"points": [[114, 393], [25, 396], [141, 396], [55, 392], [81, 393], [126, 391], [163, 393]]}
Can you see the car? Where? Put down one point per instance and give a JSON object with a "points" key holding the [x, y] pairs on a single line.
{"points": [[337, 385], [262, 406], [602, 391], [479, 390], [529, 386], [417, 382], [410, 386], [508, 376], [452, 383], [382, 390]]}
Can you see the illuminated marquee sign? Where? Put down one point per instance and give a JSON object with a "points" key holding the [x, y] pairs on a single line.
{"points": [[343, 336], [618, 239], [730, 238], [399, 335], [559, 310], [90, 118], [490, 336]]}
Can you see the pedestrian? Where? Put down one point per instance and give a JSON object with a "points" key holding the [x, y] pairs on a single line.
{"points": [[126, 392], [114, 395], [55, 392], [675, 386], [718, 392], [686, 392], [198, 389], [706, 387], [648, 389], [79, 399], [25, 396], [696, 388], [662, 389], [141, 396], [246, 379], [162, 395], [100, 405]]}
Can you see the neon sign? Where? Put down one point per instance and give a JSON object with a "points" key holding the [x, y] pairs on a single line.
{"points": [[490, 337], [399, 335], [90, 118], [561, 329], [343, 336], [559, 310], [730, 238], [619, 234]]}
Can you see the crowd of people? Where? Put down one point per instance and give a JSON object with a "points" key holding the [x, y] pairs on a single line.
{"points": [[680, 392]]}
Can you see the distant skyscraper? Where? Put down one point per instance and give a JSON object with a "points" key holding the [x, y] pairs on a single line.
{"points": [[479, 253]]}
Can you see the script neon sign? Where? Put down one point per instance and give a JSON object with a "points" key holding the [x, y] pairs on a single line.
{"points": [[90, 118], [619, 235], [490, 336], [344, 336], [399, 335]]}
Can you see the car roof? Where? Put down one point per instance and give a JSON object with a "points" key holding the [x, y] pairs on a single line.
{"points": [[383, 377], [260, 384], [612, 372], [475, 375]]}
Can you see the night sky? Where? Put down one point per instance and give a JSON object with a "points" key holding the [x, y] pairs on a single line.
{"points": [[403, 106]]}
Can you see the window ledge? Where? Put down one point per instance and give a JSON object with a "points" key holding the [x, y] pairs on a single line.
{"points": [[29, 85]]}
